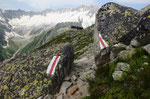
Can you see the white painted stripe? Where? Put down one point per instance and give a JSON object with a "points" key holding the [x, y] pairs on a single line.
{"points": [[50, 65], [105, 43]]}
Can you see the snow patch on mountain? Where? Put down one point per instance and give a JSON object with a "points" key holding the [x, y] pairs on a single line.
{"points": [[84, 15], [52, 19], [2, 19]]}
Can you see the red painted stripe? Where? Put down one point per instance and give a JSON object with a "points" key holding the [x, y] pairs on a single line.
{"points": [[53, 65], [102, 42]]}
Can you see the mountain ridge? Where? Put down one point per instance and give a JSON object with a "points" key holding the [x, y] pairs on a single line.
{"points": [[21, 26]]}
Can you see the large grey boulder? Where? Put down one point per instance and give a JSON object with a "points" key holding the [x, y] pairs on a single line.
{"points": [[114, 21], [25, 76]]}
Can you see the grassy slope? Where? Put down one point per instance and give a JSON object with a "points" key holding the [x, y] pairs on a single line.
{"points": [[81, 40], [9, 51], [136, 85], [32, 45]]}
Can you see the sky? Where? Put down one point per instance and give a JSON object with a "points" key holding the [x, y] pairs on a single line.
{"points": [[40, 5]]}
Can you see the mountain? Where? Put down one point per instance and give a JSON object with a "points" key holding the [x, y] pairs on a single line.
{"points": [[30, 23], [21, 26], [142, 11], [46, 36]]}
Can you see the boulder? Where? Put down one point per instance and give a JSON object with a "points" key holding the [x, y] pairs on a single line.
{"points": [[147, 48], [117, 75], [108, 54], [123, 67], [25, 76], [65, 85], [103, 57], [141, 33], [120, 71], [116, 49], [114, 21]]}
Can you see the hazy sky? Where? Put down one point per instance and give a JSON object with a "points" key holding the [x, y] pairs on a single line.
{"points": [[39, 5]]}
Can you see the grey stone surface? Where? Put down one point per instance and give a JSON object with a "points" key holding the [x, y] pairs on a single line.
{"points": [[65, 85], [117, 75], [147, 48], [121, 68]]}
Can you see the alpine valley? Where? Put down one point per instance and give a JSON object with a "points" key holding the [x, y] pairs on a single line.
{"points": [[20, 29]]}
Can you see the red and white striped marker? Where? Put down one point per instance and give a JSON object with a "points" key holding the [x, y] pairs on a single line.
{"points": [[103, 44], [52, 66]]}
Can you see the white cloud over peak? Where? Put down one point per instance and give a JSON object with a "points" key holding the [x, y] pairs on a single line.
{"points": [[134, 1], [43, 4]]}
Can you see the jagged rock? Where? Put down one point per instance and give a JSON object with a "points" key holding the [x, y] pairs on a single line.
{"points": [[120, 71], [116, 49], [114, 21], [142, 31], [60, 97], [123, 67], [25, 76], [48, 97], [144, 22], [65, 85], [103, 57], [147, 48], [108, 54], [134, 43], [74, 78]]}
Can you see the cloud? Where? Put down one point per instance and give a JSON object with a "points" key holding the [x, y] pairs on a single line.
{"points": [[134, 1], [44, 4]]}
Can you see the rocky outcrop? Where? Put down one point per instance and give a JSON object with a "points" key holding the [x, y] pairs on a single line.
{"points": [[141, 33], [114, 21], [122, 26], [25, 76]]}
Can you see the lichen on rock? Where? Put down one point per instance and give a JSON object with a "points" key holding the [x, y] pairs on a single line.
{"points": [[25, 76]]}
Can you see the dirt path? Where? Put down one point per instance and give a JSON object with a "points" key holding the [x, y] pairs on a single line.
{"points": [[75, 85]]}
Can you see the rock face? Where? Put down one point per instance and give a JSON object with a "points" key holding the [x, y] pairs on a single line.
{"points": [[25, 76], [119, 24], [147, 48], [114, 21], [141, 33]]}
